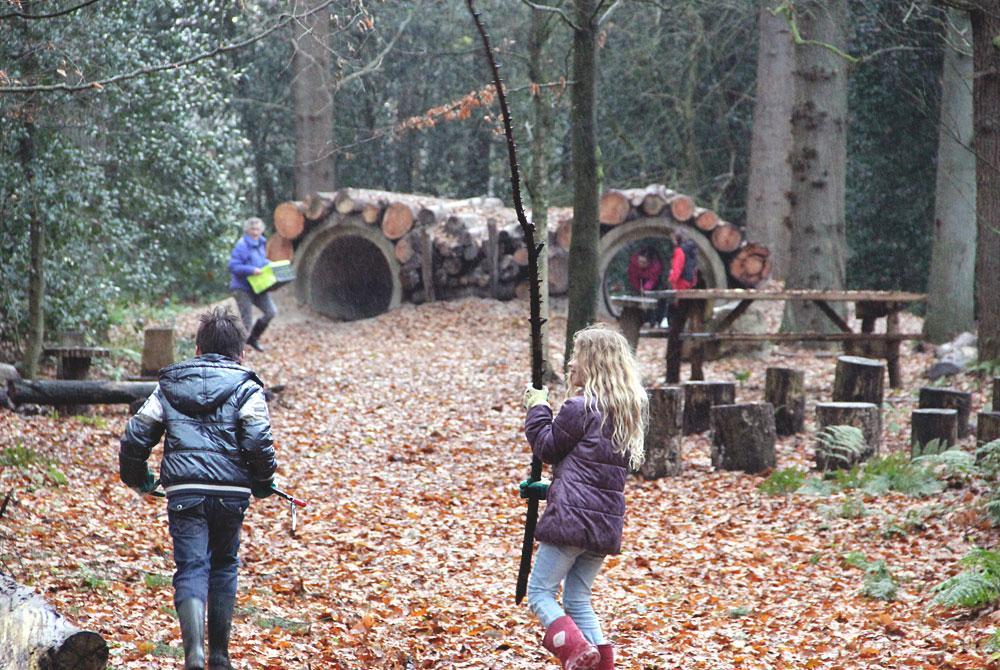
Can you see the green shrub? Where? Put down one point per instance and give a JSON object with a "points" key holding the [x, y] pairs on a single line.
{"points": [[878, 582], [782, 482], [974, 587]]}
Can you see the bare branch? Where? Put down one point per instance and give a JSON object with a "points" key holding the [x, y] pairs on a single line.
{"points": [[63, 12], [555, 10], [607, 14], [376, 62]]}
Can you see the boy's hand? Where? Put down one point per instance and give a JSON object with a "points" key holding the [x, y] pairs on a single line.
{"points": [[533, 396], [148, 485], [538, 490], [262, 489]]}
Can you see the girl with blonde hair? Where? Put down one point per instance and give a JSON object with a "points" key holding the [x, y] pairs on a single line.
{"points": [[592, 443]]}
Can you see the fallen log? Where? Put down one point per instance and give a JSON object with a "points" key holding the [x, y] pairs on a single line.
{"points": [[705, 220], [726, 237], [290, 219], [397, 220], [318, 205], [613, 208], [751, 264], [681, 206], [76, 392], [33, 636], [279, 248]]}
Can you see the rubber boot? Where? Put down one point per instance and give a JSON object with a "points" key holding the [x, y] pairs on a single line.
{"points": [[607, 657], [191, 613], [567, 643], [220, 621], [259, 326]]}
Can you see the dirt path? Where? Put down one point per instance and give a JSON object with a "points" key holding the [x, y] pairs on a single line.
{"points": [[404, 433]]}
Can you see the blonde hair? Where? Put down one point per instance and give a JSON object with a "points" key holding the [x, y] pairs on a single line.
{"points": [[604, 368]]}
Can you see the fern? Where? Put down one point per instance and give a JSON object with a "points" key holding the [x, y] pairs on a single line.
{"points": [[950, 464], [897, 473], [878, 582], [782, 482], [930, 448], [975, 587], [988, 459], [840, 447], [993, 511]]}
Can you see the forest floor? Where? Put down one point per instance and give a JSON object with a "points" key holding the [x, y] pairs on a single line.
{"points": [[404, 433]]}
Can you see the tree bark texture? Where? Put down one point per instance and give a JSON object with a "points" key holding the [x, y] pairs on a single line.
{"points": [[818, 162], [157, 350], [784, 388], [36, 268], [960, 401], [865, 416], [927, 425], [859, 379], [743, 437], [699, 398], [770, 176], [663, 436], [583, 267], [950, 286], [986, 106], [996, 394], [76, 392], [33, 636], [987, 427], [312, 99]]}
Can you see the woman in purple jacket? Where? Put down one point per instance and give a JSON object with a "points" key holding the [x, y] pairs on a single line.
{"points": [[593, 441], [247, 258]]}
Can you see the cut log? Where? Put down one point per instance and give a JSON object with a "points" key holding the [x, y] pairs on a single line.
{"points": [[726, 237], [614, 208], [705, 220], [371, 213], [743, 437], [653, 203], [751, 264], [865, 416], [34, 636], [278, 248], [407, 246], [564, 233], [681, 206], [987, 427], [784, 388], [699, 397], [397, 220], [940, 398], [859, 380], [157, 350], [350, 200], [290, 219], [932, 430], [663, 436], [319, 205], [520, 256], [427, 265], [76, 392], [558, 271], [509, 269]]}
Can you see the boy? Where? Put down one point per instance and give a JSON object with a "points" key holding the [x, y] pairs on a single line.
{"points": [[218, 451]]}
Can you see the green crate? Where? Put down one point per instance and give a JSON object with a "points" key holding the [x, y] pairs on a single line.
{"points": [[273, 275]]}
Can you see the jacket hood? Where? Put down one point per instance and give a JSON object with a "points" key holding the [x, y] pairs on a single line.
{"points": [[202, 384]]}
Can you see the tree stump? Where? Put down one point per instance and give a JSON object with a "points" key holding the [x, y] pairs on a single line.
{"points": [[996, 394], [865, 416], [157, 350], [927, 425], [699, 397], [987, 428], [935, 398], [33, 635], [743, 437], [784, 388], [858, 379], [663, 436]]}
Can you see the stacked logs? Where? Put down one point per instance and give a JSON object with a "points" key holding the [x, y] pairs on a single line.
{"points": [[475, 246], [747, 263]]}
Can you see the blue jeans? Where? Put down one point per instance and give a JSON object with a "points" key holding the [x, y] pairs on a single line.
{"points": [[578, 567], [206, 534]]}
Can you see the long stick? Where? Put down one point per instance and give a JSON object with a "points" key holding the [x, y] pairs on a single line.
{"points": [[537, 356]]}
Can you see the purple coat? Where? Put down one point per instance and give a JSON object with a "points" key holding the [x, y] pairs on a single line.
{"points": [[247, 256], [586, 501]]}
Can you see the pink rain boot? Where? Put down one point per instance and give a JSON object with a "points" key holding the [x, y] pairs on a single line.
{"points": [[566, 641], [607, 657]]}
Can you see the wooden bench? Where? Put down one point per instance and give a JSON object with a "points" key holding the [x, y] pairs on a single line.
{"points": [[691, 306]]}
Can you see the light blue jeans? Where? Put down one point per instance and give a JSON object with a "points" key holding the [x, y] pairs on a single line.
{"points": [[578, 567]]}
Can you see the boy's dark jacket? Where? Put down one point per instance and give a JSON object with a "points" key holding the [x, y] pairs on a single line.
{"points": [[217, 430], [585, 506]]}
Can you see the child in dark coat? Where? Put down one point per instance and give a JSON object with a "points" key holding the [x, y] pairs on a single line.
{"points": [[217, 452], [593, 441]]}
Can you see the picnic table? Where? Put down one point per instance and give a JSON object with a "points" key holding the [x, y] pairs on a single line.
{"points": [[869, 306]]}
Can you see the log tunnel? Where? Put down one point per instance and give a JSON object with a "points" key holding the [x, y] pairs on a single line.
{"points": [[347, 271]]}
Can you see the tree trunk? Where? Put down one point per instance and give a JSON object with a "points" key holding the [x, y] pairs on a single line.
{"points": [[36, 268], [996, 394], [930, 425], [312, 99], [699, 397], [818, 162], [986, 106], [33, 636], [663, 436], [583, 271], [770, 177], [960, 401], [784, 388], [950, 286], [743, 437], [157, 350], [859, 380], [73, 392], [538, 178]]}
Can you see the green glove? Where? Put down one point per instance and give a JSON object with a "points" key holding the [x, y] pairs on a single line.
{"points": [[538, 490], [262, 489], [148, 485], [533, 396]]}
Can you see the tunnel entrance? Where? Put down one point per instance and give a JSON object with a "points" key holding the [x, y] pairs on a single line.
{"points": [[352, 279]]}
